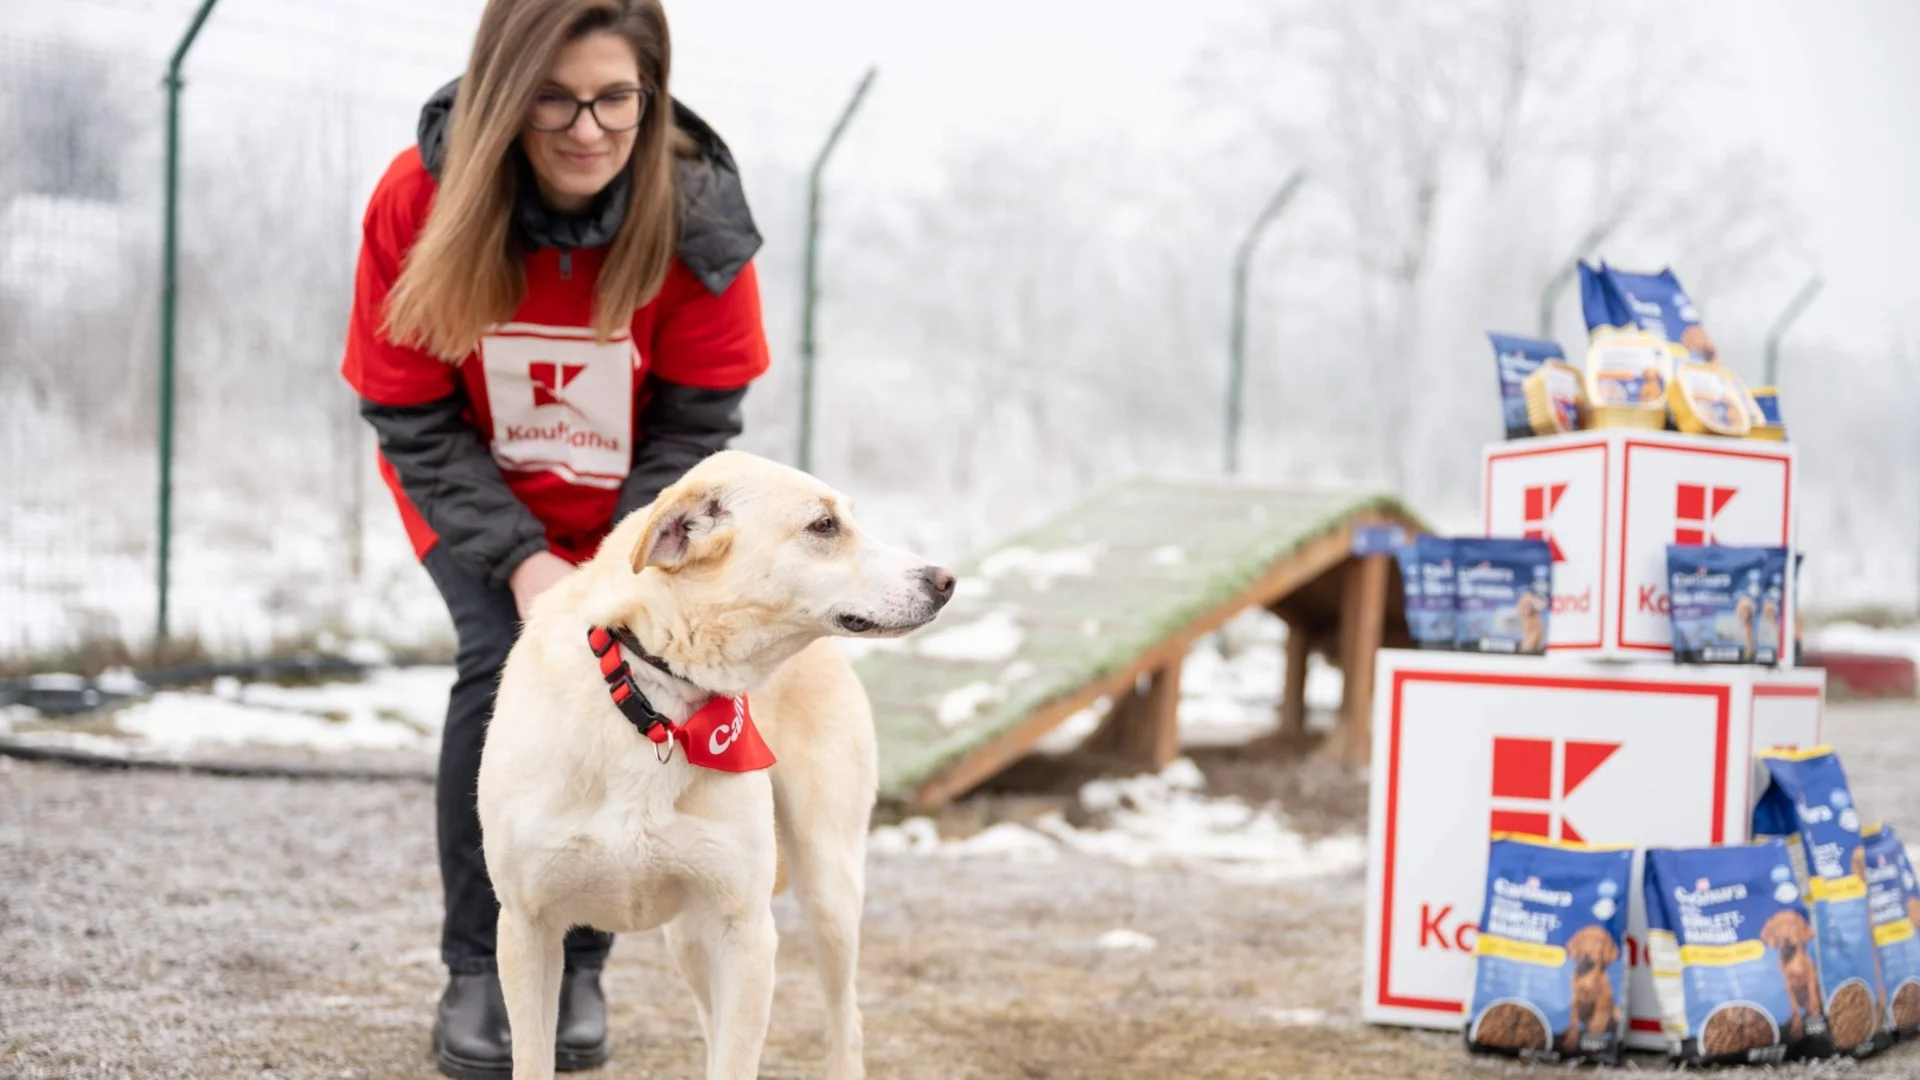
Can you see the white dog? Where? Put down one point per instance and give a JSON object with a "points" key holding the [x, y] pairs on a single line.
{"points": [[728, 582]]}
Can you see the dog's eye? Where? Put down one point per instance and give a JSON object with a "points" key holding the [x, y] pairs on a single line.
{"points": [[825, 526]]}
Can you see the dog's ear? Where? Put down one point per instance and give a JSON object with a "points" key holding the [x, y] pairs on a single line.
{"points": [[1609, 951], [684, 528], [1785, 927]]}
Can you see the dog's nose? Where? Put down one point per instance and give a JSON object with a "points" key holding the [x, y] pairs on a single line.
{"points": [[939, 580]]}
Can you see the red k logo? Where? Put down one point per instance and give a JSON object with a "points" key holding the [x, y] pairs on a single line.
{"points": [[1540, 505], [1694, 508], [1533, 777], [549, 379]]}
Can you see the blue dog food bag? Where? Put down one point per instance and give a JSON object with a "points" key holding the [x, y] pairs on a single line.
{"points": [[1808, 805], [1893, 894], [1713, 595], [1550, 978], [1728, 939], [1518, 357], [1426, 575], [1656, 303], [1769, 614], [1503, 595]]}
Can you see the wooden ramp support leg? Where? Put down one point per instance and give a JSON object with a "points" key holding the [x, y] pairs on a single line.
{"points": [[1144, 726], [1363, 609], [1293, 692]]}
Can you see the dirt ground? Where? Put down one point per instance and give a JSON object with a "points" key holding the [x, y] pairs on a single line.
{"points": [[160, 925]]}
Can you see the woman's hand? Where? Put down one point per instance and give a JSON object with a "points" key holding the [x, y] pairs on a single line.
{"points": [[540, 572]]}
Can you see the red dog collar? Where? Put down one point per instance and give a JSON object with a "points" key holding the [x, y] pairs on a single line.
{"points": [[719, 735]]}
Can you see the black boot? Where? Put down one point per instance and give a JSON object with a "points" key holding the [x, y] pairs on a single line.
{"points": [[470, 1035], [582, 1031]]}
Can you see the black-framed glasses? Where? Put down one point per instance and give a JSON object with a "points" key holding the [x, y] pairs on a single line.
{"points": [[615, 110]]}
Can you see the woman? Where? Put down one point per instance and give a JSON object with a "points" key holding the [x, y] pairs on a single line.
{"points": [[555, 316]]}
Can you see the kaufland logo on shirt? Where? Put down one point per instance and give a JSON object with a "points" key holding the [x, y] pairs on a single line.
{"points": [[563, 433], [562, 402], [549, 379]]}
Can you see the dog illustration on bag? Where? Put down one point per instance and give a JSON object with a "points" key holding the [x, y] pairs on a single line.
{"points": [[1593, 951], [1533, 629], [1787, 933]]}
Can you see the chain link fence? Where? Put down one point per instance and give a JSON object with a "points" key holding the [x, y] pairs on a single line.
{"points": [[274, 543]]}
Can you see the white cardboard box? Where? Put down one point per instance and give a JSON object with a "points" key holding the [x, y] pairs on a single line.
{"points": [[1649, 754], [1609, 502]]}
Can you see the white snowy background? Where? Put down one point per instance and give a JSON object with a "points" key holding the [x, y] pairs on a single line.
{"points": [[1025, 264]]}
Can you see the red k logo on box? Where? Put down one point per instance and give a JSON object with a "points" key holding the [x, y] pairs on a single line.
{"points": [[1557, 496], [1540, 502], [1529, 790], [1695, 506]]}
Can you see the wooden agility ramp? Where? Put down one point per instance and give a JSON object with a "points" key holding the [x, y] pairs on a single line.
{"points": [[1104, 601]]}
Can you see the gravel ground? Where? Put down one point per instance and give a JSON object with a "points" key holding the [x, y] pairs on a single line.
{"points": [[175, 926]]}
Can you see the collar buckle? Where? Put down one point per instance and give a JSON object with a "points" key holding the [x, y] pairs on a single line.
{"points": [[626, 693]]}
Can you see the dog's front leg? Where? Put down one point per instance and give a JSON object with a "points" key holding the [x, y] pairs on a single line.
{"points": [[531, 959], [728, 963]]}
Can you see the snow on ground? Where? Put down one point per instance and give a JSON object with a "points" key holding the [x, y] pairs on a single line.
{"points": [[1074, 730], [251, 570], [1298, 1017], [959, 706], [1006, 841], [179, 722], [1128, 941], [392, 709], [1042, 568], [1230, 682], [1230, 685], [989, 639], [1874, 641], [1164, 820]]}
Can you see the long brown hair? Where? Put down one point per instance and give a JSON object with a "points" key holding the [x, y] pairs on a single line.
{"points": [[462, 274]]}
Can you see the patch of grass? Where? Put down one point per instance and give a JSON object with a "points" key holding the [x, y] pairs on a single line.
{"points": [[95, 654]]}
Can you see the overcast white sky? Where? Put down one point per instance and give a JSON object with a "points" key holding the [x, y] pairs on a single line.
{"points": [[1831, 88]]}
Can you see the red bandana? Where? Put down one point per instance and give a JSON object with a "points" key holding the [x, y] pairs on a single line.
{"points": [[721, 736]]}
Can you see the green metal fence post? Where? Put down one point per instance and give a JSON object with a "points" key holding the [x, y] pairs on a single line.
{"points": [[169, 256], [1237, 335], [1780, 325], [810, 291]]}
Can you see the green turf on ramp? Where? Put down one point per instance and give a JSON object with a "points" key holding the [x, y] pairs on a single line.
{"points": [[1077, 598]]}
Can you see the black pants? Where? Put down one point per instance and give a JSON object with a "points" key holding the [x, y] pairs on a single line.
{"points": [[485, 620]]}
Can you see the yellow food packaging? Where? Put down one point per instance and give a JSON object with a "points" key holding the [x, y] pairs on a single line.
{"points": [[1627, 416], [1556, 400], [1767, 400], [1627, 375], [1708, 399]]}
